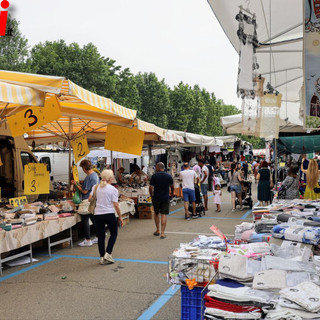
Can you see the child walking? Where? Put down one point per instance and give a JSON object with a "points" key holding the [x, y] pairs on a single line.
{"points": [[217, 197]]}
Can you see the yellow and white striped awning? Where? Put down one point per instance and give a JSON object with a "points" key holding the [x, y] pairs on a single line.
{"points": [[10, 93], [29, 89]]}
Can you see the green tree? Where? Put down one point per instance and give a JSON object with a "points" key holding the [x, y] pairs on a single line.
{"points": [[84, 66], [199, 113], [13, 49], [182, 103], [155, 103], [127, 93]]}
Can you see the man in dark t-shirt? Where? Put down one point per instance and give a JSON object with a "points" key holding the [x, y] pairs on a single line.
{"points": [[159, 191]]}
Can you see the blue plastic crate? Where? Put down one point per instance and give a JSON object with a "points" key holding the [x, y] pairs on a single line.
{"points": [[191, 303]]}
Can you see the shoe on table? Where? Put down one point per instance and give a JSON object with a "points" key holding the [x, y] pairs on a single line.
{"points": [[85, 243], [94, 240], [108, 258]]}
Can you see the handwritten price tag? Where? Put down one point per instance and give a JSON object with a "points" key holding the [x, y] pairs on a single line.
{"points": [[75, 173], [80, 147], [20, 201], [36, 179], [34, 117]]}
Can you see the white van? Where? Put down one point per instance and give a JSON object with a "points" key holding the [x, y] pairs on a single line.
{"points": [[58, 164]]}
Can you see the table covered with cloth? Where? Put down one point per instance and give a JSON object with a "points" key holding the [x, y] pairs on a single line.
{"points": [[17, 238]]}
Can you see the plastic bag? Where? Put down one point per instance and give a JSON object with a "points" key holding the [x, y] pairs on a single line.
{"points": [[76, 197]]}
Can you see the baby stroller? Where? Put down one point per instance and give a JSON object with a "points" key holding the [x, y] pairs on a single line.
{"points": [[199, 204], [246, 194]]}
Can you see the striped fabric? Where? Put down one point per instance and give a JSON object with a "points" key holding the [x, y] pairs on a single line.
{"points": [[10, 93]]}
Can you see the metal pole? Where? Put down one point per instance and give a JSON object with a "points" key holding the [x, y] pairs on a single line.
{"points": [[111, 159], [69, 142], [275, 162]]}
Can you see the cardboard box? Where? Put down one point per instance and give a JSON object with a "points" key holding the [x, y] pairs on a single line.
{"points": [[146, 215], [147, 208]]}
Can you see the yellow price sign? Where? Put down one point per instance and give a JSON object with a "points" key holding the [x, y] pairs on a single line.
{"points": [[122, 139], [20, 201], [34, 117], [36, 179], [80, 147], [75, 173]]}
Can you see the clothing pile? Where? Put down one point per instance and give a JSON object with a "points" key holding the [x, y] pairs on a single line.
{"points": [[266, 223]]}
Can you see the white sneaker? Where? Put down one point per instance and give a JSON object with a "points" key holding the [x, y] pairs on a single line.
{"points": [[95, 240], [85, 243], [108, 257], [101, 261], [233, 210], [242, 208]]}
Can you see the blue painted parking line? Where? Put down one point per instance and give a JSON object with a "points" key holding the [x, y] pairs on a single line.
{"points": [[248, 212], [116, 259], [218, 218], [159, 303], [33, 266]]}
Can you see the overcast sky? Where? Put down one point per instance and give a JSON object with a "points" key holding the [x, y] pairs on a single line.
{"points": [[179, 40]]}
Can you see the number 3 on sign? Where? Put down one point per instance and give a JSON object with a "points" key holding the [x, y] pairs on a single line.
{"points": [[80, 147]]}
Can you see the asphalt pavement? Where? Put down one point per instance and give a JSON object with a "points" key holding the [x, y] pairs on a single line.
{"points": [[72, 285]]}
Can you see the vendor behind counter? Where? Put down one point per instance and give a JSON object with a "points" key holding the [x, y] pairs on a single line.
{"points": [[138, 177]]}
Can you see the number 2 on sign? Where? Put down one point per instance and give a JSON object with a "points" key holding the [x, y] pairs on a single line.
{"points": [[28, 114], [81, 153]]}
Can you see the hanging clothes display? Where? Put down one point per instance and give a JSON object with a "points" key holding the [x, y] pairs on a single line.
{"points": [[249, 116], [247, 60]]}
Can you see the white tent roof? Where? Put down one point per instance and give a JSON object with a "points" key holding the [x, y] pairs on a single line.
{"points": [[233, 125], [286, 36], [197, 139]]}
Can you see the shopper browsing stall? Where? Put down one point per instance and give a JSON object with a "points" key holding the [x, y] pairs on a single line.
{"points": [[312, 174], [104, 214], [204, 182], [159, 190], [88, 183], [189, 178]]}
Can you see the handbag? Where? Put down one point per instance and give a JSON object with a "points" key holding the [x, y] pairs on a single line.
{"points": [[84, 207], [282, 193], [93, 200]]}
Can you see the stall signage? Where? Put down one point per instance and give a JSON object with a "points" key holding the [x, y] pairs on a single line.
{"points": [[34, 117], [122, 139], [271, 100], [20, 201], [36, 179], [80, 147], [75, 173]]}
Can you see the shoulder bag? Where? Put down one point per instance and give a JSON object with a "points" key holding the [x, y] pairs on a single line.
{"points": [[93, 200], [282, 193]]}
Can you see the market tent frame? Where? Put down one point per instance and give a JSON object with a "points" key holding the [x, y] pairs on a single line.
{"points": [[280, 50]]}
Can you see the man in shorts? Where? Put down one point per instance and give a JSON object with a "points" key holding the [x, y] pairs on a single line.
{"points": [[159, 191], [204, 182], [189, 178]]}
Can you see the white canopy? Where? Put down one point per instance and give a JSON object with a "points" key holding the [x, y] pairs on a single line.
{"points": [[286, 35], [100, 152], [197, 139], [233, 124]]}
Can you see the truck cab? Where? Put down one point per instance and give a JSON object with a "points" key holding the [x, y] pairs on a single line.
{"points": [[14, 154]]}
